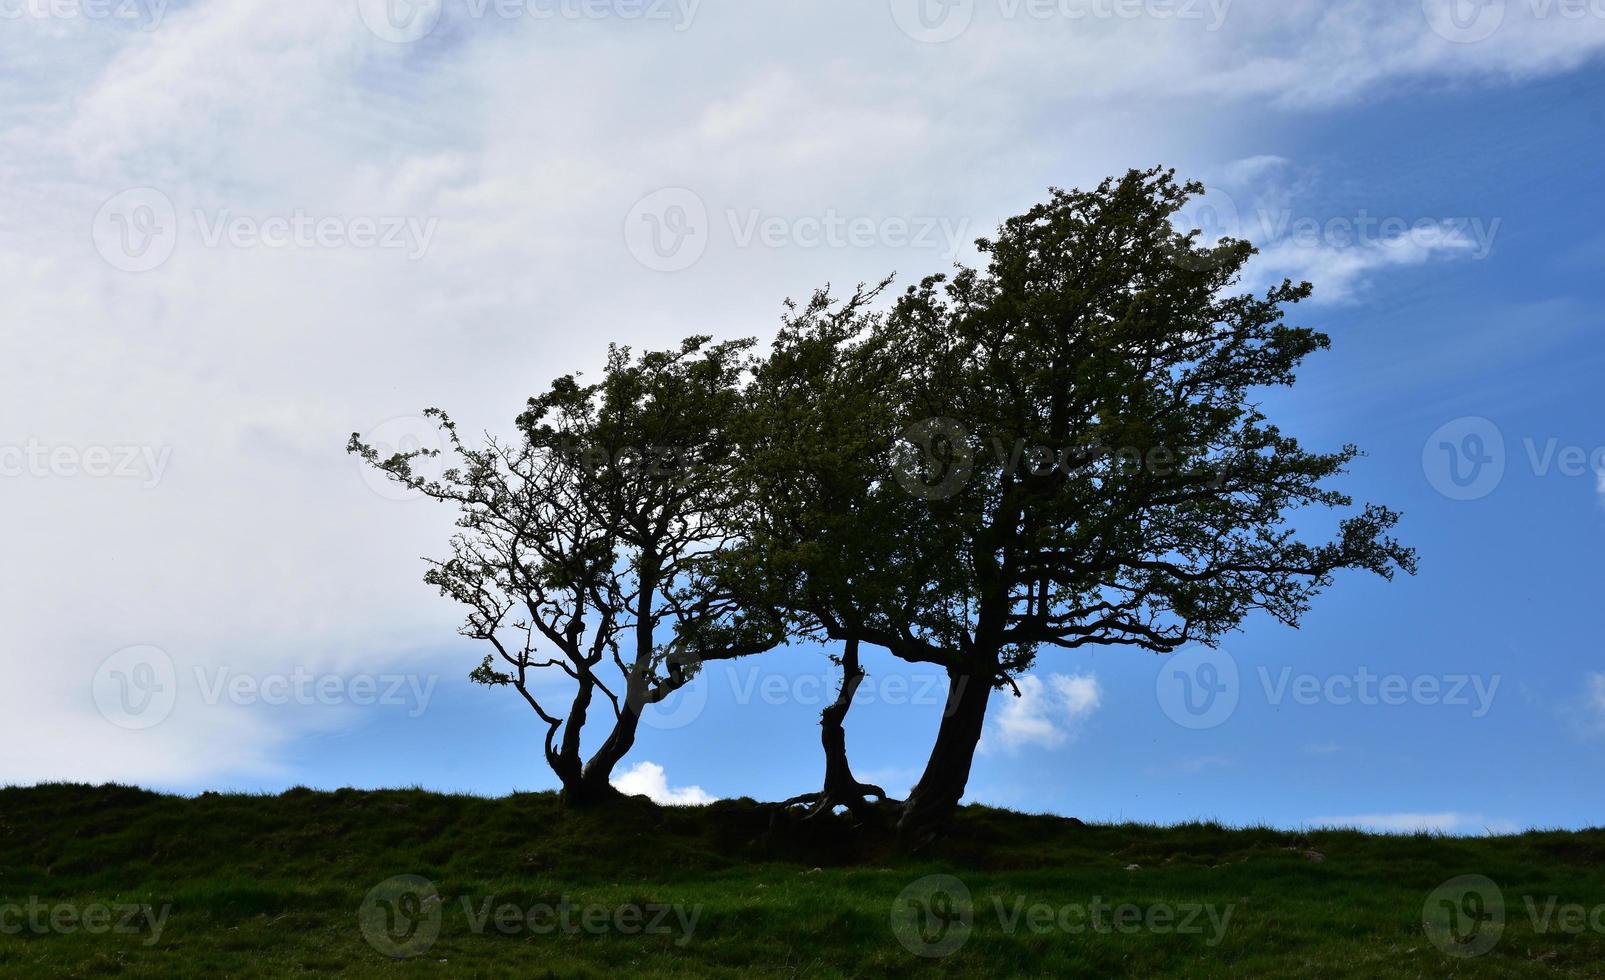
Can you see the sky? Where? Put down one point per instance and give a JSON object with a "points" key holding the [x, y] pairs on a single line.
{"points": [[232, 233]]}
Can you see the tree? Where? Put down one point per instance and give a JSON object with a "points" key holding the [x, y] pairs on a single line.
{"points": [[812, 449], [1080, 433], [585, 547]]}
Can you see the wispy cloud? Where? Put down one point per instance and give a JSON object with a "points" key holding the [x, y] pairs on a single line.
{"points": [[1594, 699], [1268, 201], [1046, 713], [648, 779]]}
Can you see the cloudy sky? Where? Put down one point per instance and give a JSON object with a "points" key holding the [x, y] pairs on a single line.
{"points": [[233, 232]]}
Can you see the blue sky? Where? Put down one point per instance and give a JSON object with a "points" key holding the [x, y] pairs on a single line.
{"points": [[1442, 194]]}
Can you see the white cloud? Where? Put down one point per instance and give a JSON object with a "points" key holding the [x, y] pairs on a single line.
{"points": [[648, 779], [1044, 714], [1339, 265], [1410, 823]]}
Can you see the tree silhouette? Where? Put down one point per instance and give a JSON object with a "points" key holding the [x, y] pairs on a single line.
{"points": [[585, 546], [1081, 436]]}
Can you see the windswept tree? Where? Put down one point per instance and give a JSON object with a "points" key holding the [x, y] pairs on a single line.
{"points": [[815, 534], [584, 547], [1080, 432]]}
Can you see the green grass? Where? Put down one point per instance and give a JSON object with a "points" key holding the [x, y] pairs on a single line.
{"points": [[272, 886]]}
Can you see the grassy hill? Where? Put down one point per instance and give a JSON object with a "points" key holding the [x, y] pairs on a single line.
{"points": [[115, 881]]}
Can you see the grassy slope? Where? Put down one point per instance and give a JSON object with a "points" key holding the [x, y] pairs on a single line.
{"points": [[263, 885]]}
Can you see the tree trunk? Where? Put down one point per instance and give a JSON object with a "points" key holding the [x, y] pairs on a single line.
{"points": [[596, 780], [589, 790], [841, 788], [595, 783], [931, 805]]}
